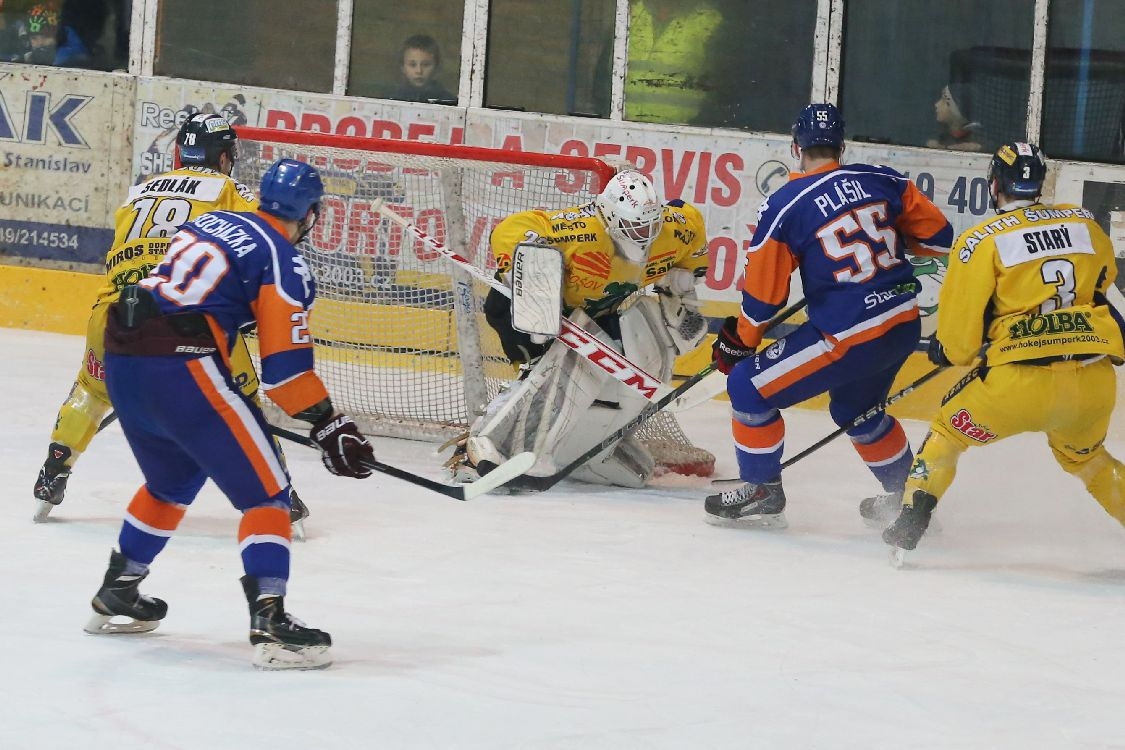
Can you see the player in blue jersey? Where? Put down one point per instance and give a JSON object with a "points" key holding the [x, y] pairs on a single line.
{"points": [[845, 228], [168, 344]]}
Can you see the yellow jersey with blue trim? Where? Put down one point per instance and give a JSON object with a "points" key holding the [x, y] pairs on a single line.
{"points": [[1032, 284], [597, 278], [155, 210]]}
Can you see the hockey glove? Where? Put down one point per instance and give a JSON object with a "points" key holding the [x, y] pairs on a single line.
{"points": [[936, 352], [344, 450], [728, 349]]}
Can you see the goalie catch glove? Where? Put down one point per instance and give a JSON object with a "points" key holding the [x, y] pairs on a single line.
{"points": [[679, 307], [344, 449]]}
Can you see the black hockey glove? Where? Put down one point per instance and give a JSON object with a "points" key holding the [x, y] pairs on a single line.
{"points": [[344, 450], [728, 350], [936, 352]]}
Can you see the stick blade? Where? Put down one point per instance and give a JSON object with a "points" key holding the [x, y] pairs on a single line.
{"points": [[705, 390], [505, 472]]}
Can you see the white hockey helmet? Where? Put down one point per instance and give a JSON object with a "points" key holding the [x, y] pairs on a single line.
{"points": [[633, 214]]}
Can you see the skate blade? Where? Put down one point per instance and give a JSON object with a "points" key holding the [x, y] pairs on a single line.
{"points": [[898, 557], [42, 511], [297, 531], [276, 656], [774, 522], [100, 624]]}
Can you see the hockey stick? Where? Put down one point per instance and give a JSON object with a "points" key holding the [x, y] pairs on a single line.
{"points": [[503, 473], [574, 336], [716, 382], [874, 411], [541, 484], [107, 422]]}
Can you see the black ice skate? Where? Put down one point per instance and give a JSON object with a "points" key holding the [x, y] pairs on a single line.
{"points": [[749, 504], [880, 511], [50, 487], [280, 640], [119, 597], [298, 512], [910, 525]]}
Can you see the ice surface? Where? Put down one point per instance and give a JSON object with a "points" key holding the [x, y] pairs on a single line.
{"points": [[580, 618]]}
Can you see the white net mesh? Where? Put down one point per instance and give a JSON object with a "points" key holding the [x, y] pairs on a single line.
{"points": [[402, 343]]}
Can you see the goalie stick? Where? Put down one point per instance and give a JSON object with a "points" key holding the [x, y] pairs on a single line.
{"points": [[587, 345], [503, 473], [541, 484]]}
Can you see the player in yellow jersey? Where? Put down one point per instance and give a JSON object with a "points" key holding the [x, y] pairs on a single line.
{"points": [[1031, 286], [612, 250], [206, 149]]}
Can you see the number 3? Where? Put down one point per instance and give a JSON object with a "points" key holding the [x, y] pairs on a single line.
{"points": [[1058, 273]]}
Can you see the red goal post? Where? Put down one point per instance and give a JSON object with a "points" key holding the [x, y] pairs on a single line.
{"points": [[402, 342]]}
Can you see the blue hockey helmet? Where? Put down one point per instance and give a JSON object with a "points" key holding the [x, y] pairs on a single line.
{"points": [[819, 125], [1019, 168], [290, 188]]}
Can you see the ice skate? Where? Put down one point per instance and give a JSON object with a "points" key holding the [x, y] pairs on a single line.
{"points": [[50, 487], [880, 511], [298, 512], [749, 505], [280, 640], [119, 598], [910, 525]]}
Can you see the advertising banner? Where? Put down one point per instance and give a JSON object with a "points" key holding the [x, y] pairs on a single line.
{"points": [[65, 146]]}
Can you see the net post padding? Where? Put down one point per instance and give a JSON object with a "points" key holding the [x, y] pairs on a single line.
{"points": [[401, 340]]}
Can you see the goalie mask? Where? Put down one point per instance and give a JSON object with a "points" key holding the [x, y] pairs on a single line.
{"points": [[632, 213]]}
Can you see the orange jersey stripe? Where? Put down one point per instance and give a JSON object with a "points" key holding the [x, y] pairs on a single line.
{"points": [[885, 449], [757, 439], [264, 521], [299, 393], [154, 513], [263, 468], [828, 356]]}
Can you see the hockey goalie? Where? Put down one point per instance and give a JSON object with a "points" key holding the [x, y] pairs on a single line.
{"points": [[624, 268]]}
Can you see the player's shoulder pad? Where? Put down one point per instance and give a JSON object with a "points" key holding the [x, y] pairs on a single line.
{"points": [[244, 192], [879, 169]]}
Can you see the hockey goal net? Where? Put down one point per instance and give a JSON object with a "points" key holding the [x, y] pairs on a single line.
{"points": [[401, 339]]}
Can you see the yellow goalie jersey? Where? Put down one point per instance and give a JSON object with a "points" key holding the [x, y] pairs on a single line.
{"points": [[596, 278], [1031, 283], [153, 212]]}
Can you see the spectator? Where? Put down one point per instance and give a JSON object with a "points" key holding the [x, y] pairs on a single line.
{"points": [[954, 116], [83, 26], [30, 38], [421, 61]]}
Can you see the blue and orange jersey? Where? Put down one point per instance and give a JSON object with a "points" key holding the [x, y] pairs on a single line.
{"points": [[846, 228], [239, 268]]}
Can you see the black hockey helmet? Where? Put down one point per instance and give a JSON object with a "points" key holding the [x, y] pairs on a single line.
{"points": [[1019, 169], [203, 138]]}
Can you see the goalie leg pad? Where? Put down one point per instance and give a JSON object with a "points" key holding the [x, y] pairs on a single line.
{"points": [[645, 340], [552, 413]]}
